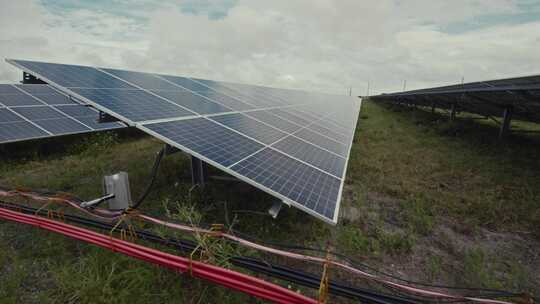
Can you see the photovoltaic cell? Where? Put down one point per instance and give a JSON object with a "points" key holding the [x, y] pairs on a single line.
{"points": [[31, 116], [186, 83], [8, 89], [7, 116], [208, 139], [250, 127], [226, 100], [193, 102], [290, 116], [19, 99], [312, 155], [144, 80], [323, 142], [301, 184], [135, 105], [20, 130], [334, 134], [61, 126], [73, 76], [275, 121], [53, 99], [36, 89], [38, 113]]}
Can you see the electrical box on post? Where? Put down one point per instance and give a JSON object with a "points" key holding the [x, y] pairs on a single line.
{"points": [[118, 184]]}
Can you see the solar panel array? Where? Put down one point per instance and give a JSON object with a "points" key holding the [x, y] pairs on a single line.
{"points": [[36, 111], [483, 97], [291, 144]]}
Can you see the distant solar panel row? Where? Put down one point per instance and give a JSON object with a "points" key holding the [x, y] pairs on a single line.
{"points": [[291, 144], [37, 111], [483, 97]]}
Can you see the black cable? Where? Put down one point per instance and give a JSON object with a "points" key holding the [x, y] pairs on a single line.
{"points": [[285, 273], [480, 291], [153, 175]]}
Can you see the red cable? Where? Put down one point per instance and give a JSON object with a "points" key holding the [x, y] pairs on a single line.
{"points": [[219, 275]]}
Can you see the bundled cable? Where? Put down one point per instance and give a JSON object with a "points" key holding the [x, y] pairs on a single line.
{"points": [[222, 276], [255, 265], [344, 263]]}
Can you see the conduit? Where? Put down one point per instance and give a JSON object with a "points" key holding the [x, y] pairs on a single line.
{"points": [[228, 278]]}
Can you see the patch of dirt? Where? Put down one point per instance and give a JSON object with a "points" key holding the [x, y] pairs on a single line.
{"points": [[510, 259]]}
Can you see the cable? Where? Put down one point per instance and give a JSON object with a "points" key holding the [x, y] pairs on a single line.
{"points": [[284, 273], [346, 266], [228, 278], [153, 175]]}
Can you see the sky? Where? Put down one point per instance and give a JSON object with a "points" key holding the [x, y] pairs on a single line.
{"points": [[320, 45]]}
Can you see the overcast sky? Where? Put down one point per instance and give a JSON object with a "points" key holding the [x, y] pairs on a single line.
{"points": [[326, 45]]}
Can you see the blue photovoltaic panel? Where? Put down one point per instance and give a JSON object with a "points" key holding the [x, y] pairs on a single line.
{"points": [[135, 105], [186, 83], [37, 113], [145, 80], [332, 133], [292, 144], [30, 117], [323, 142], [61, 126], [227, 101], [317, 157], [77, 111], [8, 89], [250, 127], [54, 99], [208, 139], [20, 130], [73, 76], [195, 103], [274, 121], [283, 113], [8, 116], [19, 99], [36, 89], [301, 184]]}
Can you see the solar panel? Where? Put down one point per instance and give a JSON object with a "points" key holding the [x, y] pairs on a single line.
{"points": [[28, 114], [292, 144], [489, 97], [250, 127]]}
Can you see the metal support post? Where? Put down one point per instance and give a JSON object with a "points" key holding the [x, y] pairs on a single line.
{"points": [[453, 112], [198, 171], [507, 119]]}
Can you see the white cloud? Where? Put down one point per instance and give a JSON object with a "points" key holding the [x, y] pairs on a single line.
{"points": [[318, 44]]}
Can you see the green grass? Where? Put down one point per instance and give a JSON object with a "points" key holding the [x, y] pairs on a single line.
{"points": [[420, 197]]}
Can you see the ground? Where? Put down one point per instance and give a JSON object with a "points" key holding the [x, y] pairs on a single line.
{"points": [[425, 199]]}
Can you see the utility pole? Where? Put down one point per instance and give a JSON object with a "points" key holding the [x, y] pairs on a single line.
{"points": [[404, 85], [367, 94]]}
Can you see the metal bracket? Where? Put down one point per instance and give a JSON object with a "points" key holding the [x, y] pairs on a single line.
{"points": [[170, 149], [104, 117], [276, 207], [198, 171], [31, 79]]}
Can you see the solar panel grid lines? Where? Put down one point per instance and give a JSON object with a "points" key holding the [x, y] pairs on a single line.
{"points": [[222, 89], [249, 126], [23, 122], [67, 124], [211, 134], [207, 138], [271, 146], [313, 191], [30, 122], [312, 155], [145, 90]]}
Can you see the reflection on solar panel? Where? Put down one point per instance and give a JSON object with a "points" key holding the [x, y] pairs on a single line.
{"points": [[489, 98], [37, 111], [291, 144]]}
